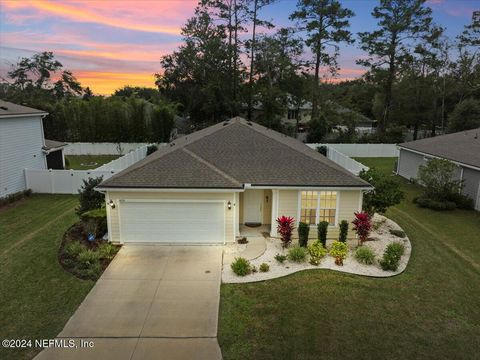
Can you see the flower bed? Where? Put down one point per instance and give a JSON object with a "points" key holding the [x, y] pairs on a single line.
{"points": [[380, 237]]}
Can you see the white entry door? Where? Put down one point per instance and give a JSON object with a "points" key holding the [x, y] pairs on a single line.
{"points": [[252, 206], [172, 222]]}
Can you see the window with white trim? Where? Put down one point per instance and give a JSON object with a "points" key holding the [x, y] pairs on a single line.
{"points": [[317, 206]]}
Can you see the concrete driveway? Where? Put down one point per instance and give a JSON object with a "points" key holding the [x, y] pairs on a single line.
{"points": [[152, 302]]}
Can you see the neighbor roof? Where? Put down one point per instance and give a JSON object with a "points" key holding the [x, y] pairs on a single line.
{"points": [[462, 147], [10, 109], [231, 154], [52, 144]]}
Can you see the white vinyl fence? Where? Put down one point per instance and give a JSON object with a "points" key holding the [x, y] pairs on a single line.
{"points": [[70, 181], [363, 150], [80, 148], [344, 161]]}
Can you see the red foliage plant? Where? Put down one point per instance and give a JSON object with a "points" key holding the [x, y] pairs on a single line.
{"points": [[285, 228], [362, 224]]}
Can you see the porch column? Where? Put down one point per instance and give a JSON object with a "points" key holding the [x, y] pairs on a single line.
{"points": [[237, 214], [273, 228]]}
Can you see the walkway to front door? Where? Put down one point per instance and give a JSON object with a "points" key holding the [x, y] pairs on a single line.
{"points": [[152, 302]]}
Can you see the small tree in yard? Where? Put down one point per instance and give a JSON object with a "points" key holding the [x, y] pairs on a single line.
{"points": [[437, 178], [303, 230], [322, 229], [362, 224], [386, 192], [90, 199], [285, 226], [342, 236]]}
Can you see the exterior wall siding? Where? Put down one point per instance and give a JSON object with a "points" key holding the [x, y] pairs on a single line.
{"points": [[408, 163], [21, 141], [471, 184], [349, 201], [115, 196]]}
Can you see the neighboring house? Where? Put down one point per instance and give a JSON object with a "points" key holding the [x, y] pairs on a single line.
{"points": [[461, 148], [204, 187], [54, 153], [21, 144]]}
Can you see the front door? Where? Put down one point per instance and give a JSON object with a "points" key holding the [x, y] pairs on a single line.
{"points": [[252, 207]]}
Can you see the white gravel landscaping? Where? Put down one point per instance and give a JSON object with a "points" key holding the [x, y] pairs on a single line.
{"points": [[380, 238]]}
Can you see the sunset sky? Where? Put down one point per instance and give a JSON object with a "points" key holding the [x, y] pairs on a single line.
{"points": [[108, 44]]}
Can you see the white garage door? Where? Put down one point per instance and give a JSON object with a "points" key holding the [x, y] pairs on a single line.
{"points": [[172, 222]]}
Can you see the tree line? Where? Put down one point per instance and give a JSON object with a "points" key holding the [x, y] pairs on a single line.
{"points": [[228, 65]]}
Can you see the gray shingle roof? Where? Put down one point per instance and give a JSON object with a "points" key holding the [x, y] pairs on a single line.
{"points": [[231, 155], [462, 147], [52, 144], [8, 108]]}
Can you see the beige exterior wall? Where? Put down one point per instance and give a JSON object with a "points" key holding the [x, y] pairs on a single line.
{"points": [[115, 196], [267, 207], [349, 201]]}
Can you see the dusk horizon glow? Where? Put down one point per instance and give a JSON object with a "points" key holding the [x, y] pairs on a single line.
{"points": [[108, 44]]}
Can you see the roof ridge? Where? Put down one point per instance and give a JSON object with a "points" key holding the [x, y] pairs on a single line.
{"points": [[211, 166], [267, 132]]}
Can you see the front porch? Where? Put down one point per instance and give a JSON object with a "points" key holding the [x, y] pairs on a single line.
{"points": [[255, 217]]}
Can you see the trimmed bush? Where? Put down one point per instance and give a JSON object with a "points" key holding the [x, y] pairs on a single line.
{"points": [[107, 251], [365, 255], [95, 222], [339, 250], [264, 267], [280, 258], [303, 230], [398, 233], [322, 230], [391, 256], [151, 149], [342, 236], [440, 205], [241, 266], [462, 201], [73, 249], [297, 254], [322, 150], [317, 252]]}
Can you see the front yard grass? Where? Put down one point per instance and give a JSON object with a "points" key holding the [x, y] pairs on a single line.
{"points": [[36, 295], [76, 161], [431, 311]]}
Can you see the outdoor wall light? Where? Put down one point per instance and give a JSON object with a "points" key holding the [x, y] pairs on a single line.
{"points": [[229, 205], [111, 204]]}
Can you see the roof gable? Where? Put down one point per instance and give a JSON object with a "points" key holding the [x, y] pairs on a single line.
{"points": [[8, 109], [228, 155]]}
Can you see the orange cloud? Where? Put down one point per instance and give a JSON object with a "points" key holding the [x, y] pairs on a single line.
{"points": [[104, 13], [105, 83]]}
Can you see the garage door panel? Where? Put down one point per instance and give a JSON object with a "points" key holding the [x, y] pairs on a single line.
{"points": [[172, 222]]}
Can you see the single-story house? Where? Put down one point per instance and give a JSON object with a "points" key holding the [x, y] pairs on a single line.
{"points": [[54, 153], [206, 187], [21, 145], [461, 148]]}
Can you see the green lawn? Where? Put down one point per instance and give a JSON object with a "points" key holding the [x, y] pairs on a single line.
{"points": [[76, 161], [431, 311], [36, 295]]}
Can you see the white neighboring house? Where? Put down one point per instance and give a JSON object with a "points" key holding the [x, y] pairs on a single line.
{"points": [[21, 145]]}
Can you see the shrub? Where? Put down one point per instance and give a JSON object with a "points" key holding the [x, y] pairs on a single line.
{"points": [[339, 251], [106, 251], [343, 231], [386, 192], [391, 256], [322, 150], [303, 230], [280, 258], [151, 149], [297, 254], [362, 224], [241, 266], [317, 252], [90, 198], [285, 228], [398, 233], [322, 229], [73, 249], [365, 255], [93, 271], [440, 205], [95, 221], [253, 269], [242, 240], [264, 267], [87, 258], [462, 201]]}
